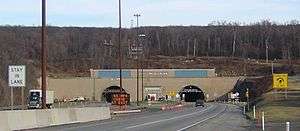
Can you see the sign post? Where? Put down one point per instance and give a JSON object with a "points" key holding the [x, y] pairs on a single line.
{"points": [[16, 78], [12, 98], [22, 97], [280, 81], [247, 95]]}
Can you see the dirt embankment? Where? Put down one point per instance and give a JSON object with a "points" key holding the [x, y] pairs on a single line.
{"points": [[225, 66]]}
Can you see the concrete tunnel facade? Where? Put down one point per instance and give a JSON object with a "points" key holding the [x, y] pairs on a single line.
{"points": [[160, 82]]}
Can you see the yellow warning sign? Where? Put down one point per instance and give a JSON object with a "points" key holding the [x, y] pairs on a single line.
{"points": [[280, 81], [172, 93]]}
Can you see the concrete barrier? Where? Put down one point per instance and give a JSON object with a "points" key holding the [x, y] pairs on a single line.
{"points": [[44, 118], [26, 119], [61, 116], [105, 113], [91, 114], [21, 119], [3, 121], [72, 115]]}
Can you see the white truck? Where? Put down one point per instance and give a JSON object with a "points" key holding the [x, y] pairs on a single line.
{"points": [[35, 99]]}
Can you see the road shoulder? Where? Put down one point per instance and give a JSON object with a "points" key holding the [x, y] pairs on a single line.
{"points": [[231, 120]]}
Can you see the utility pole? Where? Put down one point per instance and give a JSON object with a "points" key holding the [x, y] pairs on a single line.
{"points": [[272, 67], [248, 102], [267, 53], [137, 57], [131, 24], [119, 45], [44, 55], [194, 52], [109, 45], [234, 43], [142, 64], [188, 49]]}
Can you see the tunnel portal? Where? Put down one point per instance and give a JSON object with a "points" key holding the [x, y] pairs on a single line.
{"points": [[191, 93], [112, 90]]}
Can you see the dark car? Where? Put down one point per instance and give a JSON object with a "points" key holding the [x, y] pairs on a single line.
{"points": [[199, 102]]}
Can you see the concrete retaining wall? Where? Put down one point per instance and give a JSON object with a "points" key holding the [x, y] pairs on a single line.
{"points": [[26, 119]]}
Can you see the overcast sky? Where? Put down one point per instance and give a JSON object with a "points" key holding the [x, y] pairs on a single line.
{"points": [[104, 13]]}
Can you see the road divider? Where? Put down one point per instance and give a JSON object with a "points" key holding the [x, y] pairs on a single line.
{"points": [[171, 107], [28, 119], [126, 111], [19, 120]]}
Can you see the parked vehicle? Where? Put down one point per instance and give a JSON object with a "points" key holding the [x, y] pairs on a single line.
{"points": [[77, 99], [199, 102], [35, 99]]}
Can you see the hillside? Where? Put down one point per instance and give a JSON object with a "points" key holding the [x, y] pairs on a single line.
{"points": [[230, 48]]}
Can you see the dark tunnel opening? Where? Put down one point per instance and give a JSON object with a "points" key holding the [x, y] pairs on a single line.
{"points": [[242, 86], [191, 93], [110, 91]]}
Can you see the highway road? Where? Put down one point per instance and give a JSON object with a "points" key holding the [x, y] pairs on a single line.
{"points": [[211, 117]]}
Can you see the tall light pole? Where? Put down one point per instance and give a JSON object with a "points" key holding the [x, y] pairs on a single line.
{"points": [[119, 45], [137, 57], [44, 55], [142, 65]]}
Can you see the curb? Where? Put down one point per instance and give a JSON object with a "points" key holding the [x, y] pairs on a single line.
{"points": [[127, 111], [170, 107]]}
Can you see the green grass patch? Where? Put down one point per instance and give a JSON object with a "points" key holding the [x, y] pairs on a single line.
{"points": [[277, 108]]}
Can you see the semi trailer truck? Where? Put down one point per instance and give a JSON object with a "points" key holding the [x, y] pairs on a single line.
{"points": [[35, 99]]}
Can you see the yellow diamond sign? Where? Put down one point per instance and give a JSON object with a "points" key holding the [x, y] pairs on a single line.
{"points": [[280, 81]]}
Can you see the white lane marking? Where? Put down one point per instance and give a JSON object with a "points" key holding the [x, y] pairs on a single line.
{"points": [[98, 124], [172, 118], [187, 127], [103, 123]]}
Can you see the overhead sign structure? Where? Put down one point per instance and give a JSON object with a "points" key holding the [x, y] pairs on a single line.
{"points": [[16, 76], [280, 81]]}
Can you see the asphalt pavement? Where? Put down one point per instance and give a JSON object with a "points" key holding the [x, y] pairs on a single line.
{"points": [[213, 116]]}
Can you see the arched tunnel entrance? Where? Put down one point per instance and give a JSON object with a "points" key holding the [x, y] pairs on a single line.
{"points": [[191, 93], [108, 93], [242, 86]]}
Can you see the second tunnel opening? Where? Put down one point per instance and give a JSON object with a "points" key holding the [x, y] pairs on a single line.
{"points": [[191, 93]]}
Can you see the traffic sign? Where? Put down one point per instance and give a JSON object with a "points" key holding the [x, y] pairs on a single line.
{"points": [[172, 93], [16, 76], [280, 81]]}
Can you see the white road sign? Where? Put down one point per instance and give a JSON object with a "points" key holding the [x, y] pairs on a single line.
{"points": [[16, 76]]}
